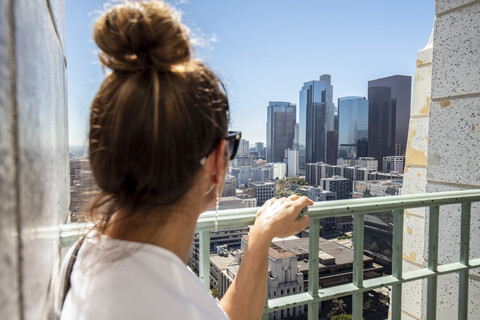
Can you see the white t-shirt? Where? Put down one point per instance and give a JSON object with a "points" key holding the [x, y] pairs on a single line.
{"points": [[116, 279]]}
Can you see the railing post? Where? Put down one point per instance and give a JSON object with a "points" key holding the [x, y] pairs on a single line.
{"points": [[396, 301], [357, 307], [433, 222], [204, 263], [464, 259], [313, 266]]}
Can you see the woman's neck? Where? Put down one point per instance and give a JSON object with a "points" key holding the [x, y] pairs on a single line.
{"points": [[174, 233]]}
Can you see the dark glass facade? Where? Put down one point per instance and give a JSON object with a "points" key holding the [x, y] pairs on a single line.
{"points": [[332, 147], [316, 119], [281, 119], [388, 116], [352, 127]]}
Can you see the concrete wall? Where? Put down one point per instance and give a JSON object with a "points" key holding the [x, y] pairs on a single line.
{"points": [[443, 152], [33, 152]]}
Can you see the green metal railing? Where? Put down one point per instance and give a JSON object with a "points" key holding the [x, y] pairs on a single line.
{"points": [[357, 208]]}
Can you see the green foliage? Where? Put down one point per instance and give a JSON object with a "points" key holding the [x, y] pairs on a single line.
{"points": [[337, 307], [215, 293], [283, 193], [193, 270], [297, 181], [343, 316]]}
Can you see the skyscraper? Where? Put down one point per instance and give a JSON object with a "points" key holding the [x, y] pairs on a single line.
{"points": [[281, 119], [352, 127], [243, 148], [316, 118], [259, 148], [388, 116]]}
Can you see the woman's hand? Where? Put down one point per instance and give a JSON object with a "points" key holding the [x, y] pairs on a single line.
{"points": [[278, 217], [245, 297]]}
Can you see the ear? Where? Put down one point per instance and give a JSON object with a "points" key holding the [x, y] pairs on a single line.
{"points": [[217, 162]]}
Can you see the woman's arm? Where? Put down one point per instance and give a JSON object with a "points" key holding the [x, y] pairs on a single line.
{"points": [[245, 297]]}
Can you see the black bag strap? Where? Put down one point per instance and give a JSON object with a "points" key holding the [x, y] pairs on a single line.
{"points": [[71, 263]]}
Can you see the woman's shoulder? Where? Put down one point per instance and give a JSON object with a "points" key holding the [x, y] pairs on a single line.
{"points": [[136, 280]]}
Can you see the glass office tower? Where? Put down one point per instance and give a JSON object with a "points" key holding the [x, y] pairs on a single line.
{"points": [[388, 116], [352, 127], [315, 119], [281, 119]]}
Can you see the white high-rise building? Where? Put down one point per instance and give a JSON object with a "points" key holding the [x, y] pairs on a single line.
{"points": [[292, 165], [243, 148]]}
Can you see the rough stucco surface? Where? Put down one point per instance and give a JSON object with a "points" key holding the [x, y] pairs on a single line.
{"points": [[449, 231], [8, 225], [455, 54], [443, 5], [454, 140], [38, 156]]}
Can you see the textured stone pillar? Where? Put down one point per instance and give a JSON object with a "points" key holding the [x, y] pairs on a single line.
{"points": [[34, 192], [415, 180], [444, 153]]}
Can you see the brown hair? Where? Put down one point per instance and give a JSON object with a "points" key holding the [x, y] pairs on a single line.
{"points": [[155, 115]]}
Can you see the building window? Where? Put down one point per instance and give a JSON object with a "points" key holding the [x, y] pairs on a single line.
{"points": [[281, 292], [293, 290], [274, 293], [288, 291]]}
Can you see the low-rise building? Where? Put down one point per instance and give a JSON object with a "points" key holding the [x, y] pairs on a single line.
{"points": [[378, 188], [225, 203], [394, 163], [365, 162], [341, 186], [262, 191], [288, 269], [230, 237]]}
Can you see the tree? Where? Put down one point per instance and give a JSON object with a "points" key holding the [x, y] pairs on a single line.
{"points": [[215, 293], [337, 307], [283, 193]]}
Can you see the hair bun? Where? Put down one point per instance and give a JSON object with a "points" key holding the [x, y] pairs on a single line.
{"points": [[141, 35]]}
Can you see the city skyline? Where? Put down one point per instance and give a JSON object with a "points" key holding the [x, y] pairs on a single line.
{"points": [[261, 59]]}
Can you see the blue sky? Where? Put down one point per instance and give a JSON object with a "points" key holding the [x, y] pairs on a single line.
{"points": [[265, 50]]}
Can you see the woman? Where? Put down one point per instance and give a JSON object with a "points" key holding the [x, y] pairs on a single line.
{"points": [[159, 151]]}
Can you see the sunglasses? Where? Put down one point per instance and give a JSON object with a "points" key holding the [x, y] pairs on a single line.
{"points": [[233, 141]]}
